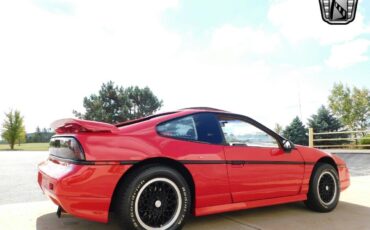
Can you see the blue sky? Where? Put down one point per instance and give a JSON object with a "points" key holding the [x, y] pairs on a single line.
{"points": [[270, 60], [200, 18]]}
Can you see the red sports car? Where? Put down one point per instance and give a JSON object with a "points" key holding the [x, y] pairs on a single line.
{"points": [[154, 171]]}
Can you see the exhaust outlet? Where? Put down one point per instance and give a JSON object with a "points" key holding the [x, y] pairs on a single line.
{"points": [[60, 210]]}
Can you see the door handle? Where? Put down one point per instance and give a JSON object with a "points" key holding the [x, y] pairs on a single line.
{"points": [[237, 163]]}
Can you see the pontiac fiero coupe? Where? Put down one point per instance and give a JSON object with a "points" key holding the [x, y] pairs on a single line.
{"points": [[155, 171]]}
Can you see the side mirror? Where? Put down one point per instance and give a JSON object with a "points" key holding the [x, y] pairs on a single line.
{"points": [[288, 146]]}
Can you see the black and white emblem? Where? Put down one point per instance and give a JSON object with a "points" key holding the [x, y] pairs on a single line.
{"points": [[338, 11]]}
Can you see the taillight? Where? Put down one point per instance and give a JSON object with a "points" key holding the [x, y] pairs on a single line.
{"points": [[66, 147]]}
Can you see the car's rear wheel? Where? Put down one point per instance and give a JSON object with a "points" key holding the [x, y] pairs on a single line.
{"points": [[324, 189], [155, 197]]}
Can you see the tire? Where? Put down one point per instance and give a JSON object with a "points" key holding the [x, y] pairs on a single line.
{"points": [[154, 197], [324, 191]]}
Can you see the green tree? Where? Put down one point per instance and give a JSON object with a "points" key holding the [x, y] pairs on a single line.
{"points": [[352, 107], [22, 137], [13, 128], [324, 121], [278, 129], [116, 104], [296, 132]]}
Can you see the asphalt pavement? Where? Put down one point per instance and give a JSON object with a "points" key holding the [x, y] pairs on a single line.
{"points": [[357, 162]]}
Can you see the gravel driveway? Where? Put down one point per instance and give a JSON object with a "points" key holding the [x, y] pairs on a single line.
{"points": [[18, 173]]}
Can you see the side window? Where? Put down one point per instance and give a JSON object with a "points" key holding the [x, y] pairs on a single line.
{"points": [[208, 128], [202, 127], [239, 132], [183, 128]]}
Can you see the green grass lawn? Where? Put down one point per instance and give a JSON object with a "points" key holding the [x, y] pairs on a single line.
{"points": [[26, 147]]}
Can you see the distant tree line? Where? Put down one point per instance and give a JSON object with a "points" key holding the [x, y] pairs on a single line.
{"points": [[39, 136], [13, 131], [348, 109], [112, 104]]}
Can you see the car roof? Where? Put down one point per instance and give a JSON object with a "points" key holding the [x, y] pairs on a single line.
{"points": [[171, 114], [204, 109]]}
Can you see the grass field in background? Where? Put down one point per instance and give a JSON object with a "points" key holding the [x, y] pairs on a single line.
{"points": [[27, 147]]}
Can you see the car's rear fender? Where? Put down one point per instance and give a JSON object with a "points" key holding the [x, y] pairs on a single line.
{"points": [[82, 190], [168, 162]]}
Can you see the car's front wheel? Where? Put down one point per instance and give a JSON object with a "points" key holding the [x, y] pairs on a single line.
{"points": [[153, 198], [324, 189]]}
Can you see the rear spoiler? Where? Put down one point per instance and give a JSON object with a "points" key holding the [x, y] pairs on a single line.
{"points": [[71, 125]]}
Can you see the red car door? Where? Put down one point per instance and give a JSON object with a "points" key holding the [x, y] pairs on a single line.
{"points": [[257, 167]]}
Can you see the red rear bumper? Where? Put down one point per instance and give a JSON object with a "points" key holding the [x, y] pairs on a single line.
{"points": [[82, 190]]}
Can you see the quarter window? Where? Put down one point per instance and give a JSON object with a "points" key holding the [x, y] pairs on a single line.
{"points": [[202, 127], [183, 128], [238, 132]]}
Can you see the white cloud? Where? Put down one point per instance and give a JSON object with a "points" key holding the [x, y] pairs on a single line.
{"points": [[258, 89], [52, 60], [348, 54], [301, 21], [231, 41]]}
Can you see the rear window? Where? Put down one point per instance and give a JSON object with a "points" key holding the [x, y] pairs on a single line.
{"points": [[130, 122], [201, 127]]}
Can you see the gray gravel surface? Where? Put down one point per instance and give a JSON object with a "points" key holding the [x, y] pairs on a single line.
{"points": [[18, 176], [358, 163]]}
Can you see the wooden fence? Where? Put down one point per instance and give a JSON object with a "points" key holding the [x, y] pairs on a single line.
{"points": [[351, 141]]}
